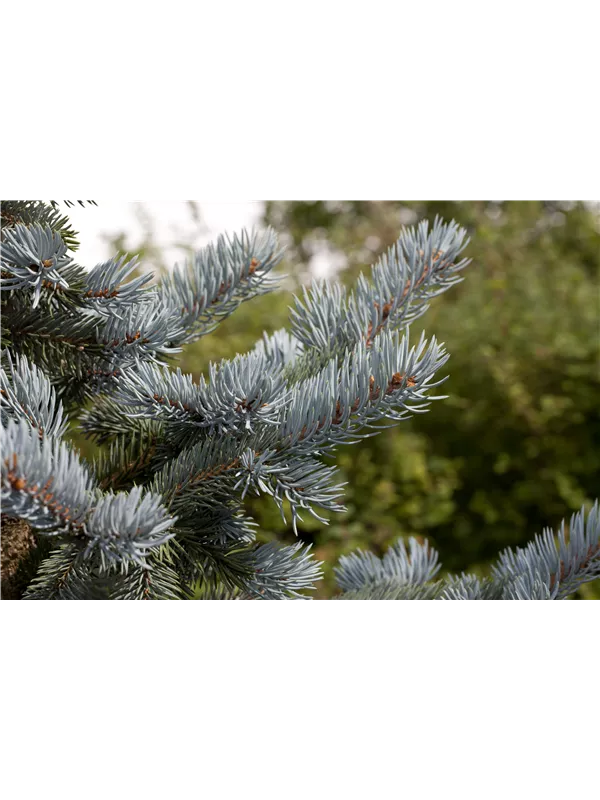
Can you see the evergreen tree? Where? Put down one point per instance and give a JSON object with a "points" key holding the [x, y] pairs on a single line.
{"points": [[160, 513]]}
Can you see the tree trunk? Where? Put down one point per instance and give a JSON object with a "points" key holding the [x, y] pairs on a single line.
{"points": [[17, 542]]}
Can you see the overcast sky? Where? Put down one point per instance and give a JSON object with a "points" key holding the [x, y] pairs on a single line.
{"points": [[172, 222]]}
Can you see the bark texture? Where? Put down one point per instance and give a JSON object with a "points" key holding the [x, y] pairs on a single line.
{"points": [[16, 543]]}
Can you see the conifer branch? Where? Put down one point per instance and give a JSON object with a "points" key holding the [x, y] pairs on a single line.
{"points": [[105, 283], [239, 394], [557, 568], [32, 256], [544, 570], [123, 527], [421, 265], [417, 565], [218, 279], [43, 481], [30, 212], [25, 392], [64, 569], [283, 572], [71, 203], [161, 582]]}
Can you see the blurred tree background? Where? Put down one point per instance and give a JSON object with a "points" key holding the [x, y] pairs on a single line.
{"points": [[516, 445]]}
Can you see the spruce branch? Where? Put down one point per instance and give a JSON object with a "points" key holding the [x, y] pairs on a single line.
{"points": [[421, 265], [556, 567], [416, 566], [470, 587], [209, 564], [101, 346], [60, 343], [280, 348], [221, 592], [71, 203], [43, 481], [198, 474], [248, 395], [32, 256], [221, 529], [161, 582], [283, 572], [30, 212], [107, 419], [128, 460], [264, 572], [123, 527], [139, 332], [368, 387], [105, 284], [68, 574], [304, 482], [525, 586], [211, 474], [64, 567], [25, 392], [239, 395], [544, 570], [391, 590], [218, 279]]}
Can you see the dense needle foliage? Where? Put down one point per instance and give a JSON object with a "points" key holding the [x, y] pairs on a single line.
{"points": [[162, 512]]}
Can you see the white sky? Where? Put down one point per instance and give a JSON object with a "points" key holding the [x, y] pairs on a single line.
{"points": [[172, 222]]}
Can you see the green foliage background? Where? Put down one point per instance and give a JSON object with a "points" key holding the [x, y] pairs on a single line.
{"points": [[516, 446]]}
